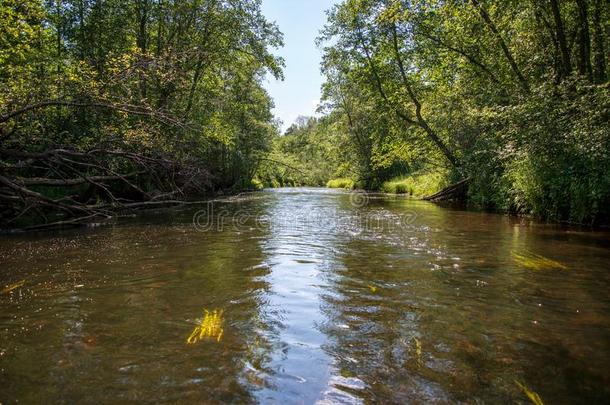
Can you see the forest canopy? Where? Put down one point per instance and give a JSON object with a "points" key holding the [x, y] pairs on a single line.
{"points": [[509, 97], [109, 104]]}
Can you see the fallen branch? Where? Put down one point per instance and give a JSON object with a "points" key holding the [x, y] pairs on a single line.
{"points": [[455, 192], [145, 111], [42, 184], [40, 181], [58, 224]]}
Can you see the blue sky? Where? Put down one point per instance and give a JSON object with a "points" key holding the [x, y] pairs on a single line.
{"points": [[300, 21]]}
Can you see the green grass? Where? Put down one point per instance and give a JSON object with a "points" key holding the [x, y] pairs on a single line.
{"points": [[341, 183], [417, 185]]}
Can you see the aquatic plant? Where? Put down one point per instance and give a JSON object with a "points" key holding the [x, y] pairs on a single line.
{"points": [[417, 350], [210, 327], [537, 262], [534, 397], [12, 287]]}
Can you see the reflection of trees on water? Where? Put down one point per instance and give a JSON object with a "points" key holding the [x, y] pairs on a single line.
{"points": [[373, 333], [298, 249], [390, 318], [123, 334]]}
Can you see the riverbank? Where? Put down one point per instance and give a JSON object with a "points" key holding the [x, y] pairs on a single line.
{"points": [[117, 212], [435, 186], [418, 185]]}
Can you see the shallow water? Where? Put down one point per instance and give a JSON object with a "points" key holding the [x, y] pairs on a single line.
{"points": [[320, 296]]}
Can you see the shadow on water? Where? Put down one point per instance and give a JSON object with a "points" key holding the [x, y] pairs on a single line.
{"points": [[107, 314], [304, 296]]}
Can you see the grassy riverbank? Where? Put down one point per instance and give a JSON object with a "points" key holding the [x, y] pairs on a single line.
{"points": [[416, 185]]}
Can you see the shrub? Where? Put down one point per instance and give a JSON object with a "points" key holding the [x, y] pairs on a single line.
{"points": [[547, 156], [417, 184], [257, 184], [341, 183]]}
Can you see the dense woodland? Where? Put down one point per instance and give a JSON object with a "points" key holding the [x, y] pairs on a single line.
{"points": [[109, 105], [511, 96]]}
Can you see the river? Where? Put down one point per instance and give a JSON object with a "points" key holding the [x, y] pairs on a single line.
{"points": [[306, 296]]}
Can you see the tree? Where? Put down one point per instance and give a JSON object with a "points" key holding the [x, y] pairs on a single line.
{"points": [[169, 91], [461, 83]]}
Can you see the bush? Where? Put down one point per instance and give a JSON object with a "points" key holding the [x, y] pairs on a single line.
{"points": [[402, 188], [341, 183], [418, 184], [256, 184], [547, 156]]}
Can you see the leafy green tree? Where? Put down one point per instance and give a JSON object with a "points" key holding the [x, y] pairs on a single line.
{"points": [[174, 82], [478, 90]]}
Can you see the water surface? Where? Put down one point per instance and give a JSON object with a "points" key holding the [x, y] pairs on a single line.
{"points": [[320, 297]]}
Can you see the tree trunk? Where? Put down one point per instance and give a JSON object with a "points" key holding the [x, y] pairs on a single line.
{"points": [[509, 57], [59, 26], [561, 38], [599, 54], [421, 122], [584, 41], [142, 42], [470, 58], [557, 66]]}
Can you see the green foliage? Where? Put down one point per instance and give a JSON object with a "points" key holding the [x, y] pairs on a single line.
{"points": [[257, 184], [347, 184], [418, 94], [512, 95], [184, 79], [546, 156], [307, 154], [560, 167], [417, 184]]}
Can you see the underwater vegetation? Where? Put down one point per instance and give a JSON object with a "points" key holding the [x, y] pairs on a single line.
{"points": [[417, 351], [537, 262], [210, 327], [534, 397], [12, 287]]}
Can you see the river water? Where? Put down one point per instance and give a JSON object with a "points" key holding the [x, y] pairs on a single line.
{"points": [[307, 296]]}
